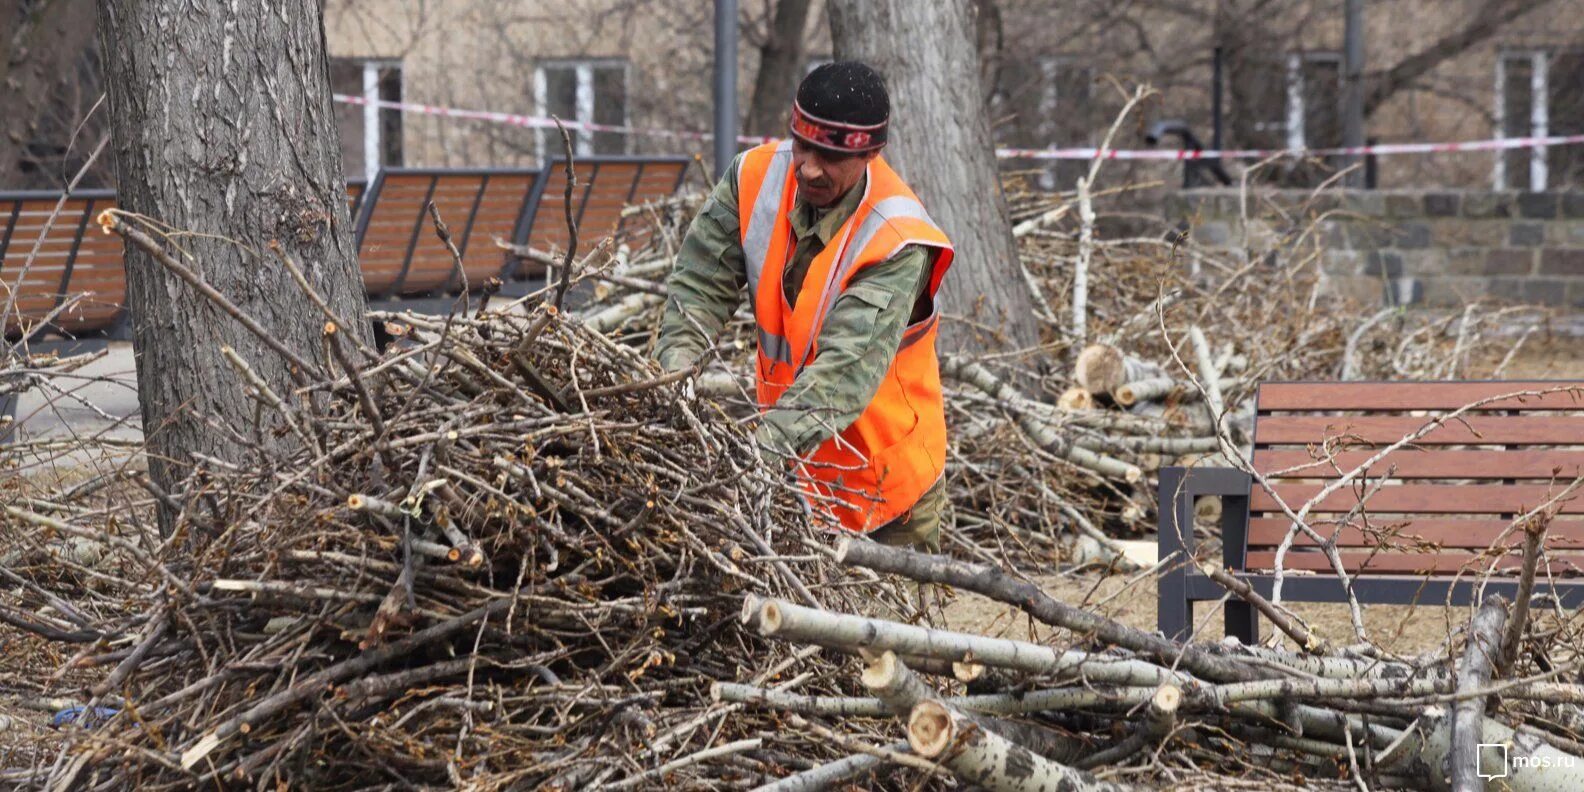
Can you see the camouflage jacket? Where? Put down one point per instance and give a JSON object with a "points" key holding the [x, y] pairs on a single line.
{"points": [[856, 344]]}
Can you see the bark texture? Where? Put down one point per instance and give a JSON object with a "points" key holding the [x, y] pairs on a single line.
{"points": [[223, 128], [941, 145], [780, 69]]}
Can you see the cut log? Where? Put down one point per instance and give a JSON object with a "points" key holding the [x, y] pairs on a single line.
{"points": [[893, 683], [1029, 419], [1541, 767], [789, 622], [1161, 389], [988, 760], [1159, 720], [610, 317], [999, 586], [1209, 377], [1468, 719], [1102, 369], [1076, 399]]}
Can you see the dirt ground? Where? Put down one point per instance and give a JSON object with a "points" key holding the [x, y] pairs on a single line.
{"points": [[1400, 629], [1131, 600]]}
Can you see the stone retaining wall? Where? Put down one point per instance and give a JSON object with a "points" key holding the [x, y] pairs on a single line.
{"points": [[1425, 248]]}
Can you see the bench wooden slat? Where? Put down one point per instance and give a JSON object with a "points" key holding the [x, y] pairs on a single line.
{"points": [[1422, 499], [1387, 429], [1411, 463], [1267, 532], [1293, 396], [1442, 563]]}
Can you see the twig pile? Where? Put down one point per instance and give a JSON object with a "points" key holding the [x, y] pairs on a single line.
{"points": [[1123, 709], [506, 553]]}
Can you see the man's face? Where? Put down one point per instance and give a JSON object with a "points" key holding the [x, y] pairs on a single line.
{"points": [[823, 177]]}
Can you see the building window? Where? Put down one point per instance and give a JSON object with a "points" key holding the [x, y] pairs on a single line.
{"points": [[588, 92], [1537, 96], [370, 134], [1314, 100]]}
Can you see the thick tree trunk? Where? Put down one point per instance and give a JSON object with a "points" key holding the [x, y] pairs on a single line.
{"points": [[780, 69], [941, 144], [223, 129]]}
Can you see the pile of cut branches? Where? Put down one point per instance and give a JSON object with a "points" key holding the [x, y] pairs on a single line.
{"points": [[505, 552]]}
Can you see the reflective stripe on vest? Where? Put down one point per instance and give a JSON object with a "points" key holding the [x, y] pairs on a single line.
{"points": [[761, 224], [775, 347], [894, 207]]}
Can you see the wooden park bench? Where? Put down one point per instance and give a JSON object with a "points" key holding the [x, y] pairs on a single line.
{"points": [[605, 186], [47, 258], [1433, 528], [402, 258]]}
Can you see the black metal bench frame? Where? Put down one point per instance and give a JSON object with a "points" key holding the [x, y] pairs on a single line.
{"points": [[1182, 584]]}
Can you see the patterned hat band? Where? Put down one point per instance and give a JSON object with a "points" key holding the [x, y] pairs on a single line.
{"points": [[835, 135]]}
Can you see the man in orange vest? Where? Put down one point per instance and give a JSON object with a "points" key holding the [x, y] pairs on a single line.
{"points": [[842, 265]]}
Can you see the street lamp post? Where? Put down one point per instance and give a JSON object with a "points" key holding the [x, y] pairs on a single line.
{"points": [[725, 84]]}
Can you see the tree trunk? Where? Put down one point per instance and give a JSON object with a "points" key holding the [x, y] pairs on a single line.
{"points": [[223, 128], [941, 144], [780, 69], [990, 41]]}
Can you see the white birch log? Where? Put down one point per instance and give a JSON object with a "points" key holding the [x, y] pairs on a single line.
{"points": [[1158, 388], [988, 760], [789, 622], [1097, 699], [1175, 446], [1075, 399], [1102, 369], [1080, 282], [613, 316], [841, 706], [1468, 715], [894, 684], [1531, 764], [1028, 420], [1208, 376]]}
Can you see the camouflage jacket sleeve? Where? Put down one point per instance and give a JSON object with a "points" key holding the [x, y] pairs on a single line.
{"points": [[705, 283], [856, 346]]}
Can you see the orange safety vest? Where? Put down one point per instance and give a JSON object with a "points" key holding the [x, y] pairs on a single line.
{"points": [[873, 471]]}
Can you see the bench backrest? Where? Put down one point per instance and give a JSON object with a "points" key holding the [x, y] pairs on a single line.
{"points": [[398, 249], [73, 257], [1435, 506], [605, 185], [400, 253]]}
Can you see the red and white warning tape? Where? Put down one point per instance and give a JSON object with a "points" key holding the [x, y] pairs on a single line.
{"points": [[536, 122], [541, 122]]}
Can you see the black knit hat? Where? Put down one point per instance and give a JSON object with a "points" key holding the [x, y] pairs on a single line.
{"points": [[842, 106]]}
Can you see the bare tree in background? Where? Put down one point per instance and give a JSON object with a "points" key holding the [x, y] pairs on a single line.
{"points": [[781, 59], [940, 143], [223, 128], [49, 79]]}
